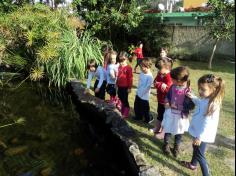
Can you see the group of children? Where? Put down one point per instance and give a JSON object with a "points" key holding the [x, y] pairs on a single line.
{"points": [[175, 100]]}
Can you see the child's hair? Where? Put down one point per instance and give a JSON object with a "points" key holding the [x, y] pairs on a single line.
{"points": [[106, 48], [92, 63], [217, 85], [164, 49], [123, 56], [163, 62], [180, 74], [139, 43], [146, 62], [112, 56]]}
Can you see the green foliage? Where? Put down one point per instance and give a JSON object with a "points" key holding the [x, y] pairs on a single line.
{"points": [[44, 44], [154, 36], [73, 58], [131, 49], [6, 6], [110, 15], [19, 121], [221, 23]]}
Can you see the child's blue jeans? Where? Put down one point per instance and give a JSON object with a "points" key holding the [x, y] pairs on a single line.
{"points": [[199, 156]]}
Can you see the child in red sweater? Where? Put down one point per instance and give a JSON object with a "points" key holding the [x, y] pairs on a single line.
{"points": [[162, 83], [139, 53], [124, 83]]}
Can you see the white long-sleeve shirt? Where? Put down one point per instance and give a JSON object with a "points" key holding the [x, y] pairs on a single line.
{"points": [[100, 75], [112, 69], [204, 127], [144, 85]]}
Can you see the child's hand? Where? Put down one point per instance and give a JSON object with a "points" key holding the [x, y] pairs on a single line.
{"points": [[190, 95], [97, 90], [86, 91], [167, 105], [129, 90], [163, 86], [196, 142]]}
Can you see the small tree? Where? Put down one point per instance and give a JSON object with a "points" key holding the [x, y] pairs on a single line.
{"points": [[221, 22], [109, 17]]}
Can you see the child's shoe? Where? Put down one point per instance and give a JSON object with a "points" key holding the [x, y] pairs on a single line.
{"points": [[166, 149], [160, 135], [122, 108], [157, 128], [118, 103], [112, 101], [188, 165], [126, 113], [153, 130], [149, 120]]}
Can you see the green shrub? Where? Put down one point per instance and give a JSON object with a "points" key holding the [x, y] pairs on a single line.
{"points": [[43, 44], [73, 57]]}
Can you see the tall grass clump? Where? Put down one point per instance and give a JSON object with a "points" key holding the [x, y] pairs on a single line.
{"points": [[44, 44], [73, 57]]}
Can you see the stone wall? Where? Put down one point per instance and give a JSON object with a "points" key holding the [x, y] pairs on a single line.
{"points": [[196, 41], [108, 119]]}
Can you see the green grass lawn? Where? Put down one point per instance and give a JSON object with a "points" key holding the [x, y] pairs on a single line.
{"points": [[220, 155]]}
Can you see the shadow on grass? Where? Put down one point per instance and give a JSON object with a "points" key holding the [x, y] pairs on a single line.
{"points": [[224, 142], [228, 106], [218, 65], [159, 156], [140, 123]]}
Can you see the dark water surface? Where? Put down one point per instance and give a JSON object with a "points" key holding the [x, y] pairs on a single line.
{"points": [[53, 141]]}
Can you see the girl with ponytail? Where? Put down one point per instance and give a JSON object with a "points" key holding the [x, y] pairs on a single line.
{"points": [[203, 126]]}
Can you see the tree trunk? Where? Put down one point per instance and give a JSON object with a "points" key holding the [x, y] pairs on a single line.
{"points": [[212, 54]]}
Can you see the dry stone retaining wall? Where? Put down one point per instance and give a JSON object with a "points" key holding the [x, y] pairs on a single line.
{"points": [[106, 116]]}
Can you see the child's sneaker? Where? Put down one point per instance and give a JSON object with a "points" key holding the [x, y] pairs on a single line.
{"points": [[153, 130], [150, 120], [160, 135], [188, 165]]}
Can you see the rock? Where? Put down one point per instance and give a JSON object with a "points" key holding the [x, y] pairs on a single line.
{"points": [[149, 171], [16, 150], [111, 117]]}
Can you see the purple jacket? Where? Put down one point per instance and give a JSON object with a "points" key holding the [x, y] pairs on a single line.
{"points": [[176, 97]]}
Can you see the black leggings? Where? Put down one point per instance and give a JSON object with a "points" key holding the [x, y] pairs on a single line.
{"points": [[111, 89], [139, 61], [141, 109], [123, 96], [102, 91], [167, 137], [160, 111]]}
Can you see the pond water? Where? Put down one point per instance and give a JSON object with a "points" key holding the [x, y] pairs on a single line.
{"points": [[53, 141]]}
